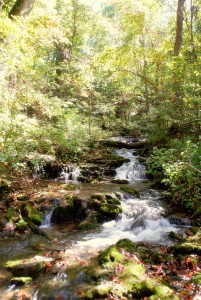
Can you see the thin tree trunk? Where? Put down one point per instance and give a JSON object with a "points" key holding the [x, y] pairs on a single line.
{"points": [[21, 8], [179, 27]]}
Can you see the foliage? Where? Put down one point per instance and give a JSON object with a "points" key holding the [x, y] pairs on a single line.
{"points": [[180, 168]]}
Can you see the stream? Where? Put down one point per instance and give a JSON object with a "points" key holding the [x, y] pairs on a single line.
{"points": [[142, 219]]}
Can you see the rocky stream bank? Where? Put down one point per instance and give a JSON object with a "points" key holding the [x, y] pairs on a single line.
{"points": [[95, 238]]}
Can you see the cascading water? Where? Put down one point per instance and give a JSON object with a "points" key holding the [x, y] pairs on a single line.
{"points": [[131, 170], [70, 174], [141, 220], [38, 171], [46, 222]]}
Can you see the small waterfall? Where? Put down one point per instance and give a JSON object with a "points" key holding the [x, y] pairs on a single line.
{"points": [[70, 174], [46, 222], [132, 170], [141, 220], [38, 171]]}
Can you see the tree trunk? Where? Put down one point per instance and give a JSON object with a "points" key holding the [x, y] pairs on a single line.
{"points": [[21, 8], [179, 27]]}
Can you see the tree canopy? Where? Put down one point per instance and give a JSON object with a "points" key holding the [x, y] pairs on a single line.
{"points": [[70, 75]]}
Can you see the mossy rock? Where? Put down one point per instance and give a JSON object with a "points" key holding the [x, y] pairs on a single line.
{"points": [[188, 248], [110, 256], [107, 204], [163, 292], [21, 225], [92, 221], [33, 214], [131, 190], [20, 280], [141, 288], [100, 291], [120, 181], [132, 270], [28, 267], [10, 214]]}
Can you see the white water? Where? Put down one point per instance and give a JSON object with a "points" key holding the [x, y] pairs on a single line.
{"points": [[141, 220], [132, 170], [46, 222], [70, 174], [38, 171]]}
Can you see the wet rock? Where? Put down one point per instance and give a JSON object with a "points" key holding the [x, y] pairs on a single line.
{"points": [[120, 181], [91, 222], [74, 211], [28, 267], [108, 205], [131, 190]]}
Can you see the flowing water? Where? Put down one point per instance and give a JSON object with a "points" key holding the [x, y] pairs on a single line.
{"points": [[70, 174], [142, 219], [132, 170]]}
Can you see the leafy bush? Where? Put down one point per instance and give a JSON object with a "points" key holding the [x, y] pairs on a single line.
{"points": [[180, 170]]}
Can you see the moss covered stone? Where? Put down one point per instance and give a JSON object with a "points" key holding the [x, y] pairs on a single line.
{"points": [[10, 214], [108, 205], [21, 225], [163, 292], [188, 248], [27, 267], [131, 190], [31, 213], [99, 291], [110, 255], [20, 280]]}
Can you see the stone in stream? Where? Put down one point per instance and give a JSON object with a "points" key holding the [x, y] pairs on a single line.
{"points": [[28, 267], [20, 280]]}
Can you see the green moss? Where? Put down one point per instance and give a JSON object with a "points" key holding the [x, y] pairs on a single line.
{"points": [[20, 280], [27, 267], [163, 292], [197, 279], [188, 247], [130, 190], [142, 288], [132, 270], [33, 214], [21, 225], [110, 255], [110, 209], [98, 292], [10, 214]]}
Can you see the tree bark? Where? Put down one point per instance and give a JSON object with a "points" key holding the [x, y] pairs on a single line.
{"points": [[21, 8], [179, 27]]}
